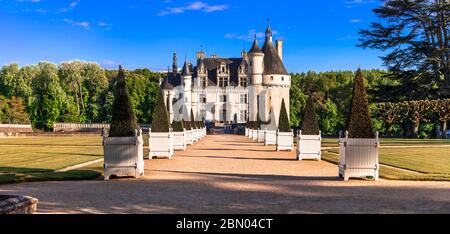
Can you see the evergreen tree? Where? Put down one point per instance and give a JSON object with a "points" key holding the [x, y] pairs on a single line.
{"points": [[283, 123], [258, 122], [193, 123], [178, 126], [160, 118], [186, 119], [310, 125], [359, 123], [123, 122]]}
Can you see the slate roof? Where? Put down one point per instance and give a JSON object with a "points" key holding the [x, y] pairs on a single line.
{"points": [[272, 61], [255, 47]]}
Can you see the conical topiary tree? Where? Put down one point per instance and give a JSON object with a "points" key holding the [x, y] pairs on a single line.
{"points": [[160, 122], [310, 126], [178, 126], [123, 123], [359, 123], [186, 119], [258, 122], [283, 123], [193, 123]]}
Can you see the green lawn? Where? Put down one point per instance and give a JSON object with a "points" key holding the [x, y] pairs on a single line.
{"points": [[38, 158], [429, 163], [333, 142]]}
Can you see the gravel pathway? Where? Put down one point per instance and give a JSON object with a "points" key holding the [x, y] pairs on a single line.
{"points": [[231, 174]]}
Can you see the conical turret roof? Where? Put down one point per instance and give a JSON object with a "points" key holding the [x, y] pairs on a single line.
{"points": [[186, 70], [255, 47]]}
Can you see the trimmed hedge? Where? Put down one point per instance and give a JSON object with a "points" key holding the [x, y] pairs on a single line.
{"points": [[123, 123], [283, 123], [160, 116], [359, 123], [310, 125]]}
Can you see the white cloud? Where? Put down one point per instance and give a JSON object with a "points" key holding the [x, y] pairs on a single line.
{"points": [[71, 6], [249, 36], [353, 21], [83, 24], [193, 6]]}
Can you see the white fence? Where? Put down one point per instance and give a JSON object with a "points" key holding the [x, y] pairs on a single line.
{"points": [[261, 135], [123, 156], [358, 158], [189, 137], [16, 128], [247, 132], [270, 138], [179, 141], [73, 127], [309, 147], [255, 135], [285, 141], [161, 144]]}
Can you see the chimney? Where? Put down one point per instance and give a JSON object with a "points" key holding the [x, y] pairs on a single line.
{"points": [[280, 49], [244, 55], [200, 55], [214, 56]]}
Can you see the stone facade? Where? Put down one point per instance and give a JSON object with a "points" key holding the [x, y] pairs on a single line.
{"points": [[229, 90]]}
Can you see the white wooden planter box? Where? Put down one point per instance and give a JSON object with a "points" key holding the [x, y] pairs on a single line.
{"points": [[250, 133], [285, 141], [179, 141], [195, 135], [161, 145], [123, 156], [246, 132], [255, 135], [309, 147], [261, 135], [270, 138], [189, 137], [358, 158]]}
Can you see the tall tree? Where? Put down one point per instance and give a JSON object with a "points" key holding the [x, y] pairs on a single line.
{"points": [[123, 122], [95, 82], [359, 123], [390, 113], [310, 125], [283, 123], [415, 35], [49, 97], [161, 122], [442, 108]]}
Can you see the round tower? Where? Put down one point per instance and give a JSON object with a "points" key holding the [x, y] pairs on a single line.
{"points": [[255, 79], [187, 86]]}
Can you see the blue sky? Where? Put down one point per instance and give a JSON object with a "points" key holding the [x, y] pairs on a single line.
{"points": [[318, 35]]}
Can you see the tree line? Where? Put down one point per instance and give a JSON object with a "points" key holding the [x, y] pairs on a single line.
{"points": [[75, 92]]}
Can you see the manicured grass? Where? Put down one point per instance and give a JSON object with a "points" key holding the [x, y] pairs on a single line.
{"points": [[85, 141], [38, 158], [432, 164], [333, 142]]}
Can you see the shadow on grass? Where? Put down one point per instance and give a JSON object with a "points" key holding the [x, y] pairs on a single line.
{"points": [[16, 175]]}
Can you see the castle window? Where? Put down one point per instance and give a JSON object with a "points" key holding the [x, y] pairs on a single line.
{"points": [[244, 99], [271, 78], [203, 82], [202, 98], [243, 115], [243, 82], [223, 82], [282, 78], [223, 98]]}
